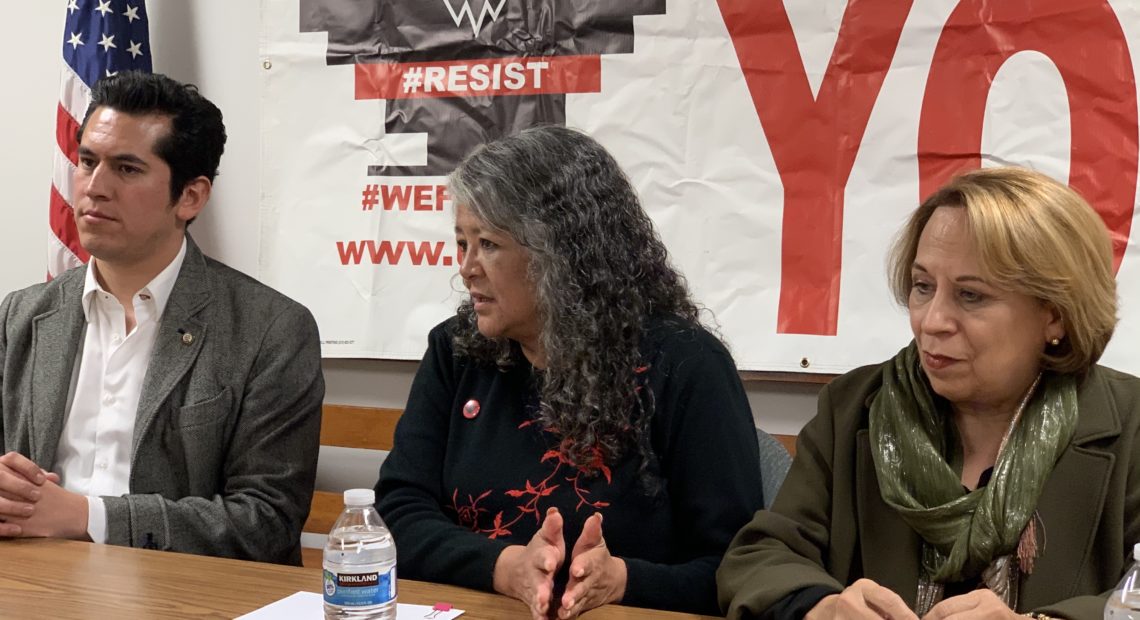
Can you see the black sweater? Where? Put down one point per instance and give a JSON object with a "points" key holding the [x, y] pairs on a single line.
{"points": [[456, 491]]}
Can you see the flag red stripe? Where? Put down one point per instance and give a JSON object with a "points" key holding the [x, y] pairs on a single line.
{"points": [[63, 225], [65, 128]]}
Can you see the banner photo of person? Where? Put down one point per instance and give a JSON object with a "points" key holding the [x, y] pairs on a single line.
{"points": [[778, 146]]}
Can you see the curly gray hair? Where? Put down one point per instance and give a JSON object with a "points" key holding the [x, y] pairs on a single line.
{"points": [[599, 271]]}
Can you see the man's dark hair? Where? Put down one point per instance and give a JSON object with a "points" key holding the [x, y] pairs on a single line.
{"points": [[197, 136]]}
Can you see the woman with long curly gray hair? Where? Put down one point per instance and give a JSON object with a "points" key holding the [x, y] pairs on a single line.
{"points": [[574, 383]]}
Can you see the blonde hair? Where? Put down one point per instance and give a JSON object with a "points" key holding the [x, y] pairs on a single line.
{"points": [[1034, 236]]}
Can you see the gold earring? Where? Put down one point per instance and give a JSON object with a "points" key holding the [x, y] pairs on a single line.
{"points": [[1055, 341]]}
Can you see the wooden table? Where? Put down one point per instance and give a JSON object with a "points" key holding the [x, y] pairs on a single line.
{"points": [[43, 578]]}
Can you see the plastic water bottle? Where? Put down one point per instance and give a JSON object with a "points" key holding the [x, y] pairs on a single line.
{"points": [[1124, 602], [360, 563]]}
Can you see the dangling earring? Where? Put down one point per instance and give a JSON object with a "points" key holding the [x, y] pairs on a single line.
{"points": [[1055, 341]]}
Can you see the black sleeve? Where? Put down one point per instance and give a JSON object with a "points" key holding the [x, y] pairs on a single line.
{"points": [[706, 443], [429, 545]]}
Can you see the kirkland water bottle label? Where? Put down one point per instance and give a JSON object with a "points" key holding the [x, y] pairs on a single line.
{"points": [[360, 589]]}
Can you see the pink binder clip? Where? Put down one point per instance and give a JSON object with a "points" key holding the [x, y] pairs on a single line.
{"points": [[437, 609]]}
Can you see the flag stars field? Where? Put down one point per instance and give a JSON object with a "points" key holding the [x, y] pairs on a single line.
{"points": [[100, 39]]}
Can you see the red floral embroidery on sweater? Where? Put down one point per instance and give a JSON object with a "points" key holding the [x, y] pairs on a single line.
{"points": [[471, 515]]}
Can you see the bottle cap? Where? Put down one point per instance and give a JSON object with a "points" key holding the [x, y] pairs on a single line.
{"points": [[359, 497], [1136, 552]]}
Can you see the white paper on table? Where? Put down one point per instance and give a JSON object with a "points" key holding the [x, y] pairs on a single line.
{"points": [[308, 606]]}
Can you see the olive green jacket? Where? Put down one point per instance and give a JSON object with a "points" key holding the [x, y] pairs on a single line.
{"points": [[829, 525]]}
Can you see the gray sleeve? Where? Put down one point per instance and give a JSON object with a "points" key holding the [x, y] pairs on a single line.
{"points": [[5, 308], [269, 463]]}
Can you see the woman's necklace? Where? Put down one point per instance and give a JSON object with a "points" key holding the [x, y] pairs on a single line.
{"points": [[1017, 415]]}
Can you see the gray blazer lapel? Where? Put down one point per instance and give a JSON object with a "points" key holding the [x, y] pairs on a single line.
{"points": [[56, 336], [1073, 498], [889, 548], [179, 340]]}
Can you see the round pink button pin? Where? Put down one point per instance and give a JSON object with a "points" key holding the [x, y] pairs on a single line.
{"points": [[471, 409]]}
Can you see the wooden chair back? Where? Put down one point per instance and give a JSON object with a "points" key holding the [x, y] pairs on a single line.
{"points": [[345, 426]]}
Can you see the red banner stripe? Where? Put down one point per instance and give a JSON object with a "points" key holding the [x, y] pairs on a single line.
{"points": [[513, 76]]}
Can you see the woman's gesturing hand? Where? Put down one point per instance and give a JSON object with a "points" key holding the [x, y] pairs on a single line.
{"points": [[596, 577], [527, 573]]}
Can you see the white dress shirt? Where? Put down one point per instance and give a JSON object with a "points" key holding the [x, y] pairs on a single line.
{"points": [[95, 448]]}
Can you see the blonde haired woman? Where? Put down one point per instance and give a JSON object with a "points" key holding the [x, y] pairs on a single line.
{"points": [[990, 468]]}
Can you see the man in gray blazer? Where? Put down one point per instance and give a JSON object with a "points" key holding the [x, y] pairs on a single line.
{"points": [[155, 397]]}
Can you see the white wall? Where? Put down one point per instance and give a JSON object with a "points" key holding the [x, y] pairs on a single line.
{"points": [[27, 129], [214, 43]]}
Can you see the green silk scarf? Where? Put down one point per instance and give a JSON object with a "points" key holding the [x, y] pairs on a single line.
{"points": [[911, 440]]}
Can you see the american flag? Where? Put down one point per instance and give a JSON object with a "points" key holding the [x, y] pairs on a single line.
{"points": [[100, 38]]}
